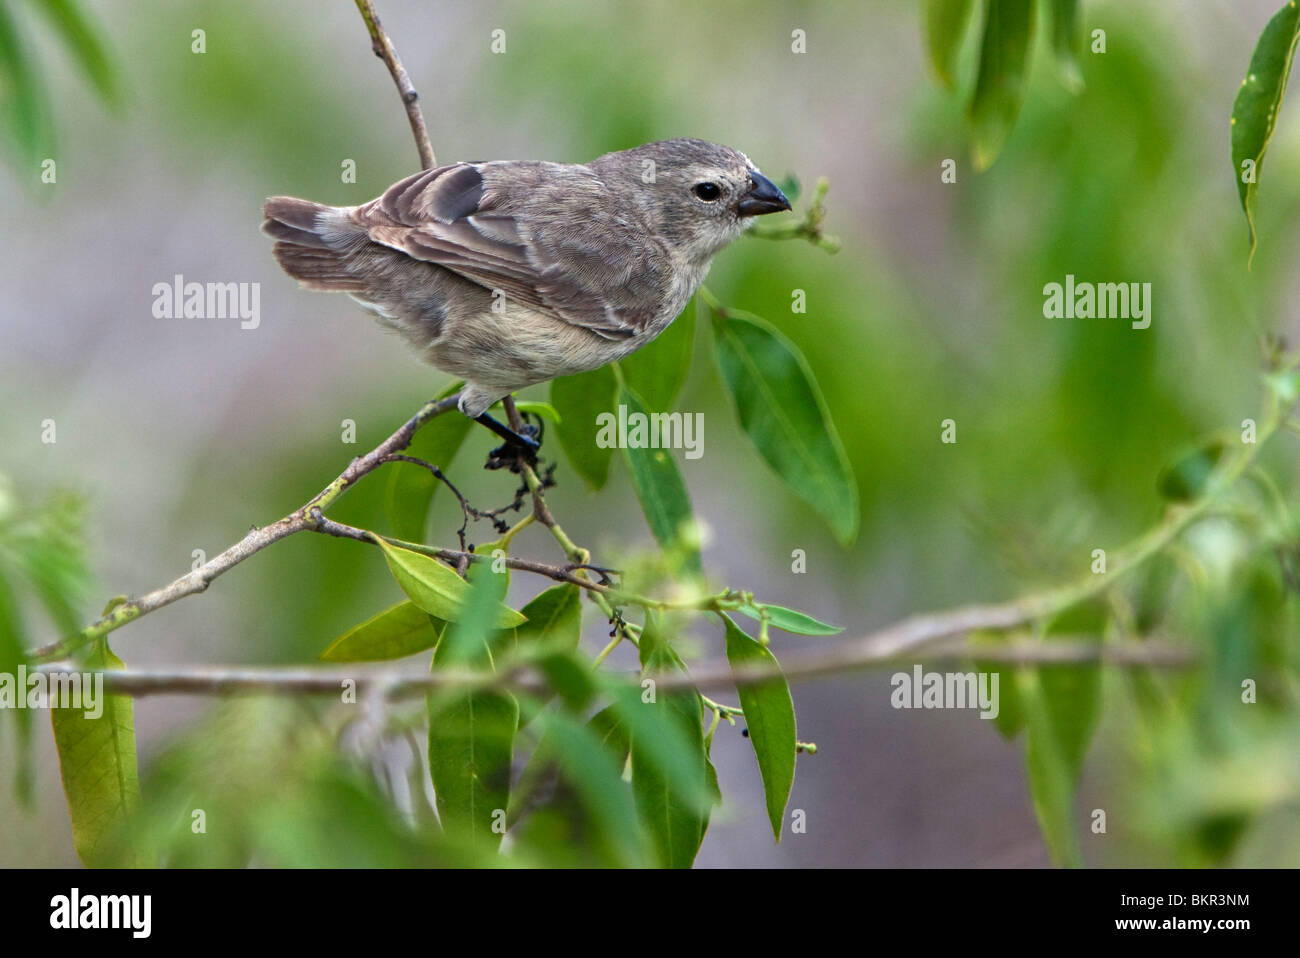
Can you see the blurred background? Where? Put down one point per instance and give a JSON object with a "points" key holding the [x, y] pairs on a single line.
{"points": [[181, 434]]}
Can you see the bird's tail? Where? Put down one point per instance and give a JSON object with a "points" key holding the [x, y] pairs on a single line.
{"points": [[302, 248]]}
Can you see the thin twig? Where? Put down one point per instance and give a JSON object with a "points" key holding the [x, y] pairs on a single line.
{"points": [[258, 539], [383, 48], [455, 556]]}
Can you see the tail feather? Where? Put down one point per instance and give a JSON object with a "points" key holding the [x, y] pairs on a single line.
{"points": [[301, 250]]}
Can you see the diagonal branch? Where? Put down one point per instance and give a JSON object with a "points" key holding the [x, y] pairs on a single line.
{"points": [[258, 539]]}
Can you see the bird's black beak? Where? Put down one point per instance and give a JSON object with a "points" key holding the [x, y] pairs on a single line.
{"points": [[763, 197]]}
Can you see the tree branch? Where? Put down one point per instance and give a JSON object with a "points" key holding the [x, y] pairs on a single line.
{"points": [[875, 650], [383, 48]]}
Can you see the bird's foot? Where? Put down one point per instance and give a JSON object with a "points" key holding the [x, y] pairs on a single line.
{"points": [[520, 448]]}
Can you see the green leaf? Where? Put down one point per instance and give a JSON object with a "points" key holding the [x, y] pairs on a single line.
{"points": [[1003, 71], [1067, 42], [1073, 699], [411, 488], [539, 408], [555, 621], [435, 588], [790, 620], [769, 716], [480, 632], [392, 634], [612, 732], [554, 616], [571, 675], [1060, 707], [662, 493], [471, 745], [1187, 478], [101, 778], [12, 654], [590, 762], [669, 776], [1255, 110], [782, 411], [657, 371], [945, 25], [471, 735], [1011, 716], [82, 39], [580, 399], [24, 107]]}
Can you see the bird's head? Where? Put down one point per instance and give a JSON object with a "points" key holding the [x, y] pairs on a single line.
{"points": [[698, 195]]}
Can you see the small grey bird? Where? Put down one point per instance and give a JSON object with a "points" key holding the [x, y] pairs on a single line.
{"points": [[510, 273]]}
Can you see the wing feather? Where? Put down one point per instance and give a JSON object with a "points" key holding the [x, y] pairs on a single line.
{"points": [[448, 216]]}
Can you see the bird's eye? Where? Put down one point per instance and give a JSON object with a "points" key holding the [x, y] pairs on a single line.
{"points": [[707, 191]]}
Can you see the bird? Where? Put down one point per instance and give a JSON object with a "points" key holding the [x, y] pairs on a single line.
{"points": [[508, 273]]}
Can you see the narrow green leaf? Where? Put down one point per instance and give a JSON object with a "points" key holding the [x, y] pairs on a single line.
{"points": [[672, 794], [435, 588], [1003, 71], [471, 735], [1060, 708], [12, 654], [661, 492], [392, 634], [554, 616], [579, 400], [590, 762], [24, 107], [714, 790], [1073, 698], [1255, 110], [657, 371], [782, 411], [1011, 715], [82, 39], [791, 620], [1067, 42], [101, 778], [769, 716], [945, 25], [411, 488]]}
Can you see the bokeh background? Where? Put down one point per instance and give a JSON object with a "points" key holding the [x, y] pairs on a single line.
{"points": [[183, 433]]}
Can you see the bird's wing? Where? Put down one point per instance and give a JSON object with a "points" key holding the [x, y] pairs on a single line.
{"points": [[449, 216]]}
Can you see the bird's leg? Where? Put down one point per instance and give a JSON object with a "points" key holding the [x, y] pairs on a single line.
{"points": [[520, 448], [524, 439]]}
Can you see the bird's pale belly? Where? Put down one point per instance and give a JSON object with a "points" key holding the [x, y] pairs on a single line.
{"points": [[519, 347]]}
